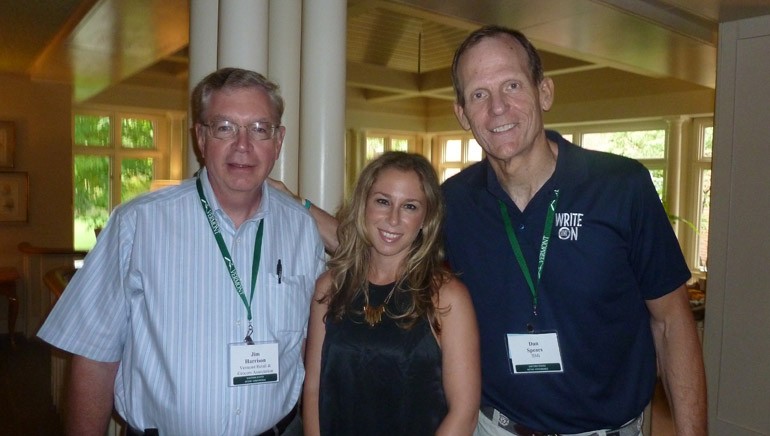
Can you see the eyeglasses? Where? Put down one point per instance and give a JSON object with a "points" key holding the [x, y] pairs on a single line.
{"points": [[226, 129]]}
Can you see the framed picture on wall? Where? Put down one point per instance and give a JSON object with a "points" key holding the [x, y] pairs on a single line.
{"points": [[14, 196], [7, 144]]}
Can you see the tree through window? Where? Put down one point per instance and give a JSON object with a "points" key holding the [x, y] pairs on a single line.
{"points": [[103, 143]]}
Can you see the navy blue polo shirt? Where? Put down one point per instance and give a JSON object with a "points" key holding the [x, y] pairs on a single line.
{"points": [[612, 247]]}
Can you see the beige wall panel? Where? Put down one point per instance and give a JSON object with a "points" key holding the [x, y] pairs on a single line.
{"points": [[737, 331]]}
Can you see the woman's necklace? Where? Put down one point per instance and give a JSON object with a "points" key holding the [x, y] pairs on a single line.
{"points": [[373, 315]]}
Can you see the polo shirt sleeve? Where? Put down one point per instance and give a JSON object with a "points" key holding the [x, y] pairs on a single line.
{"points": [[655, 255]]}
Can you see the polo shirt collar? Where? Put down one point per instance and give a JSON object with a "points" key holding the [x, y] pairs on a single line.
{"points": [[569, 169], [570, 163]]}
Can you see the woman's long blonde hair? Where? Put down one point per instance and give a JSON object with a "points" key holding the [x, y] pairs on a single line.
{"points": [[423, 272]]}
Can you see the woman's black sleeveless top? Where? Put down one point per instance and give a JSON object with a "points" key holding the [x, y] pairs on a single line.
{"points": [[380, 380]]}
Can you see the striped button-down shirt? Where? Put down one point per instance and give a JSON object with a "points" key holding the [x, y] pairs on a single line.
{"points": [[155, 294]]}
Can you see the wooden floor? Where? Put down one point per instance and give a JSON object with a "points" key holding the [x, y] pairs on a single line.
{"points": [[25, 393], [26, 407]]}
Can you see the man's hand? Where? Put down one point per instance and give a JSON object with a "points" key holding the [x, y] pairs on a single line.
{"points": [[326, 223]]}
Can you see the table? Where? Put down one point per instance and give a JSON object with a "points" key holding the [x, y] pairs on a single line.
{"points": [[8, 278]]}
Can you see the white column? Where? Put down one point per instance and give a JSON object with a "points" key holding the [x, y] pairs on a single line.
{"points": [[203, 60], [322, 133], [285, 46], [243, 30]]}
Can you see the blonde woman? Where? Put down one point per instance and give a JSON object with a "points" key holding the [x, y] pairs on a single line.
{"points": [[392, 344]]}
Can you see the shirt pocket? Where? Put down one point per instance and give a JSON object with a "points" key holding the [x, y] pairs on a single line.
{"points": [[289, 302]]}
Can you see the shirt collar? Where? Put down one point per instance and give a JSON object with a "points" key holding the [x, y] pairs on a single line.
{"points": [[264, 206]]}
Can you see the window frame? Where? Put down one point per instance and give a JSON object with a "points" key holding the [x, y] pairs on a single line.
{"points": [[170, 137], [116, 153], [699, 163], [658, 164], [683, 163], [389, 137], [652, 164], [439, 153]]}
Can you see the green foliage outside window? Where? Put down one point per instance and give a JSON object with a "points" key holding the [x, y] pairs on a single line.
{"points": [[93, 170], [642, 144], [137, 133], [92, 196], [658, 180], [705, 199], [399, 144], [92, 130], [135, 177], [705, 204], [708, 141], [375, 146]]}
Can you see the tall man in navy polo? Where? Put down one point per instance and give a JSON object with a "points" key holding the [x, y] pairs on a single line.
{"points": [[574, 270]]}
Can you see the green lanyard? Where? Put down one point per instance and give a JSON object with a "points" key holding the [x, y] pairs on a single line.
{"points": [[228, 260], [543, 245]]}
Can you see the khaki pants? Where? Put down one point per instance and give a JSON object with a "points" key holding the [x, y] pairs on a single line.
{"points": [[489, 427]]}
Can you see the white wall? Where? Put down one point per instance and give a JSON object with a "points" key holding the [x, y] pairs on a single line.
{"points": [[737, 326]]}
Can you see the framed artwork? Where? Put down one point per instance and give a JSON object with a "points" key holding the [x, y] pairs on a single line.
{"points": [[14, 196], [7, 144]]}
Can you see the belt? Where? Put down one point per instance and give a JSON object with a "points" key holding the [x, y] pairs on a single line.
{"points": [[631, 428], [276, 430], [282, 424], [131, 431]]}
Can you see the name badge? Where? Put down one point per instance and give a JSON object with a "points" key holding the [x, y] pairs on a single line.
{"points": [[534, 353], [253, 363]]}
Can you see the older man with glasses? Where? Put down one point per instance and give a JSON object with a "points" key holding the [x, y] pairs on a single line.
{"points": [[190, 313]]}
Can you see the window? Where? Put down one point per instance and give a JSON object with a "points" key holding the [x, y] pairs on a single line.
{"points": [[704, 136], [455, 153], [378, 143], [646, 146], [116, 156], [682, 177], [648, 142]]}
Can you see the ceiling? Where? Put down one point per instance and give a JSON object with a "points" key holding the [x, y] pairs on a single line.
{"points": [[396, 49]]}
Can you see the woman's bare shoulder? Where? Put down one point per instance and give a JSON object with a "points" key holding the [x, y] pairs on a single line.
{"points": [[453, 291], [323, 285]]}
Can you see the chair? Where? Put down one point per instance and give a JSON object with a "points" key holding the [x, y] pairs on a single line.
{"points": [[56, 279], [8, 277]]}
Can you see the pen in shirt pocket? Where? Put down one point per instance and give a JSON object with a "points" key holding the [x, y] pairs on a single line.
{"points": [[279, 271]]}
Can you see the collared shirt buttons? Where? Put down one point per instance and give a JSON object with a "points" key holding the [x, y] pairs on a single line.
{"points": [[238, 323], [521, 226], [237, 411]]}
